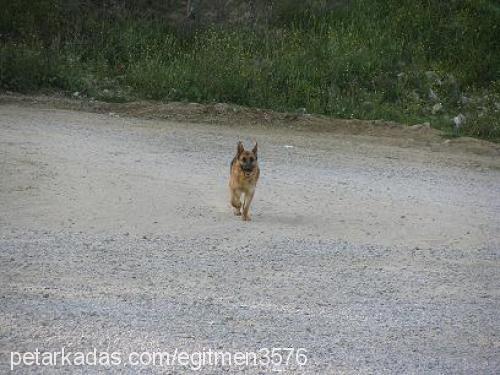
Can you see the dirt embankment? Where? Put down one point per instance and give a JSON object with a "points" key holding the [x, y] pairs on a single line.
{"points": [[379, 131]]}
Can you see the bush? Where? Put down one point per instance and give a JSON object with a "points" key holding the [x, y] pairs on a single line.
{"points": [[369, 59]]}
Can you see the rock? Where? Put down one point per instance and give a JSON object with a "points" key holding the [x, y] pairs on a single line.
{"points": [[458, 122], [433, 96], [436, 108], [464, 100], [221, 108], [76, 94]]}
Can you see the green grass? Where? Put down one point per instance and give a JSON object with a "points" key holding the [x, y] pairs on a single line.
{"points": [[371, 60]]}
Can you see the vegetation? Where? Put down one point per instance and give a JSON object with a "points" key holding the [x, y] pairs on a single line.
{"points": [[403, 60]]}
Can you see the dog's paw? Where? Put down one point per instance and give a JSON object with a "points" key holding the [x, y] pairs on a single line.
{"points": [[236, 211], [246, 218]]}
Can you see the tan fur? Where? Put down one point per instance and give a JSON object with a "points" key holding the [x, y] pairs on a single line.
{"points": [[243, 180]]}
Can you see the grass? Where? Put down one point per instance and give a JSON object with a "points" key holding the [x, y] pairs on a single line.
{"points": [[369, 60]]}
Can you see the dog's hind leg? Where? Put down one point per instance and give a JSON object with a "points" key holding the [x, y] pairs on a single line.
{"points": [[246, 205], [236, 202]]}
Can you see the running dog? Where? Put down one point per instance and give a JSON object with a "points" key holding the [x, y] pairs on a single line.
{"points": [[243, 180]]}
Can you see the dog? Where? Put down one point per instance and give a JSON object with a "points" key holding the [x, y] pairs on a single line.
{"points": [[243, 180]]}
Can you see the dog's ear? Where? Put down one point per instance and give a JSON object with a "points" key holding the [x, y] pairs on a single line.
{"points": [[254, 150], [239, 148]]}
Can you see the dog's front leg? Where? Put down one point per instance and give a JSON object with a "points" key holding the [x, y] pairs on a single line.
{"points": [[246, 204], [236, 201]]}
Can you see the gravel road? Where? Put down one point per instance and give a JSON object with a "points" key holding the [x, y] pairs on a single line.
{"points": [[116, 234]]}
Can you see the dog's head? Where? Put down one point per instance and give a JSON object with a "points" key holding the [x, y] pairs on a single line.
{"points": [[246, 159]]}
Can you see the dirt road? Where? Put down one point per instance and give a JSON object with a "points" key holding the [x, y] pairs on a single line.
{"points": [[116, 234]]}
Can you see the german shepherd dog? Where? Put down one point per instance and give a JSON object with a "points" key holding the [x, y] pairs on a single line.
{"points": [[243, 180]]}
